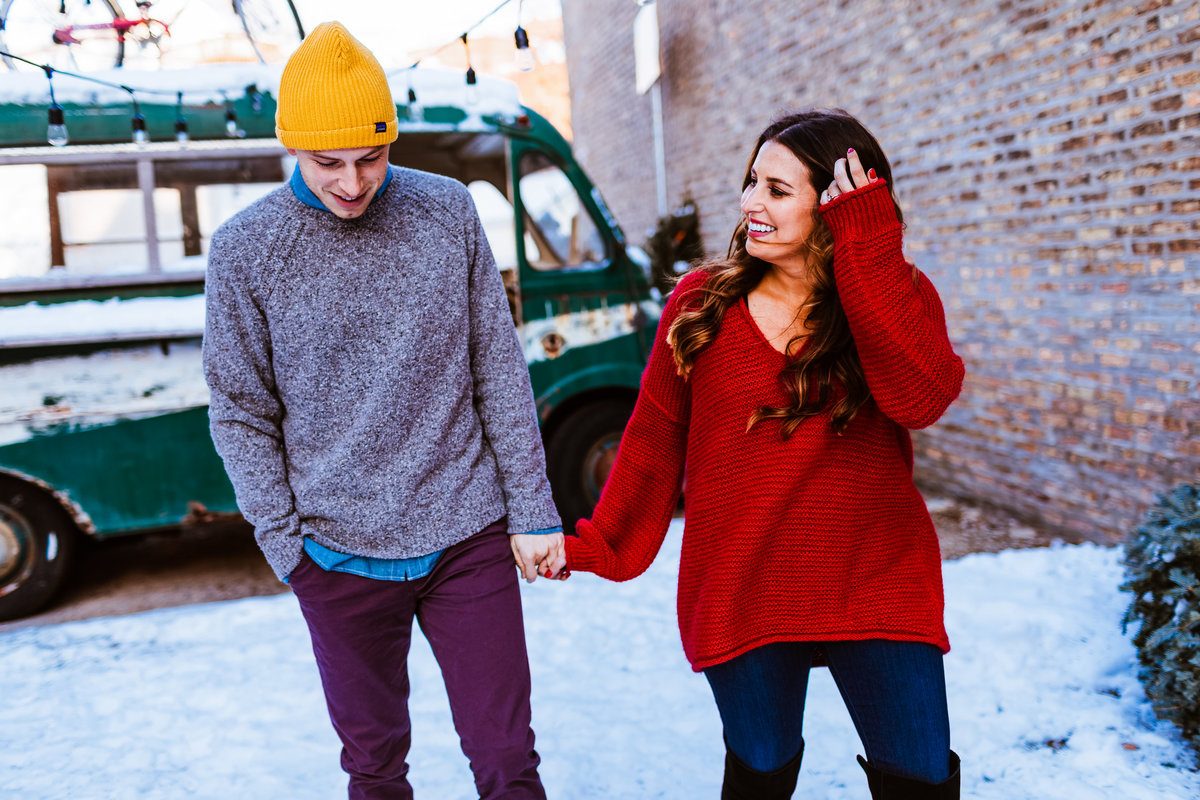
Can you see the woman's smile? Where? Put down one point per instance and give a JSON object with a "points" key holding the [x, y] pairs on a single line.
{"points": [[758, 229], [779, 203]]}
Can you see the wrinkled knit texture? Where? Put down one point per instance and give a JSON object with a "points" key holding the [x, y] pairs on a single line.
{"points": [[367, 386], [817, 538]]}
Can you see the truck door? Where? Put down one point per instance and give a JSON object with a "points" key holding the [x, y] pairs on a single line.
{"points": [[583, 322]]}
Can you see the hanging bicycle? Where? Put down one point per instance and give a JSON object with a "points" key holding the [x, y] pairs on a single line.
{"points": [[86, 35]]}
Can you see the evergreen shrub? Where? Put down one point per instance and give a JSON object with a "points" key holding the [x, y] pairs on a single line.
{"points": [[1162, 569], [674, 244]]}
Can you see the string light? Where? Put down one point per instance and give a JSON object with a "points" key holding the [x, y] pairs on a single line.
{"points": [[137, 122], [525, 60], [472, 88], [416, 111], [58, 135], [181, 126], [56, 130], [472, 98], [231, 125]]}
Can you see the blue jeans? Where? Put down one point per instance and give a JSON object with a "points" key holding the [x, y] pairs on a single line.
{"points": [[895, 692]]}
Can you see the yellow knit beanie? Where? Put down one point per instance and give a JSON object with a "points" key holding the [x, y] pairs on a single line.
{"points": [[333, 94]]}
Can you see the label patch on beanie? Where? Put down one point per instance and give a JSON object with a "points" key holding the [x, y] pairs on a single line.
{"points": [[380, 127]]}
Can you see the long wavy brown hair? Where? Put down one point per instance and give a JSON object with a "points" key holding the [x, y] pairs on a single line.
{"points": [[827, 374]]}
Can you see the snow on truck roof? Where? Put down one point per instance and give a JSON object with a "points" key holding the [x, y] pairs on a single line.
{"points": [[213, 83]]}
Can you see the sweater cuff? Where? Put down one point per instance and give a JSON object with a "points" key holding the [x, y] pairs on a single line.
{"points": [[538, 532], [866, 209], [581, 557]]}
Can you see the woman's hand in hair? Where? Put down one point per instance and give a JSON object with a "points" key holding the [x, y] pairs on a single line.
{"points": [[848, 175]]}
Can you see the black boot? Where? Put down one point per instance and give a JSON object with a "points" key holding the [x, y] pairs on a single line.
{"points": [[744, 783], [889, 786]]}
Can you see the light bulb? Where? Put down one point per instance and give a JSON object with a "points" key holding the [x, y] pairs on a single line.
{"points": [[56, 131], [181, 131], [525, 59], [472, 88], [139, 129], [416, 111]]}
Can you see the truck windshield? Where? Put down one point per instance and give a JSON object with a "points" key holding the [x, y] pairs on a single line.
{"points": [[559, 232]]}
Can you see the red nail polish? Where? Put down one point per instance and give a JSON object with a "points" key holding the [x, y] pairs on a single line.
{"points": [[851, 150], [871, 174]]}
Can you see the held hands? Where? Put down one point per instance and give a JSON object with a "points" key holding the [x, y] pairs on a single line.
{"points": [[848, 175], [542, 553]]}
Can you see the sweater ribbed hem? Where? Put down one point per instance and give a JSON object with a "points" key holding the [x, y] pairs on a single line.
{"points": [[703, 662], [346, 138], [581, 557]]}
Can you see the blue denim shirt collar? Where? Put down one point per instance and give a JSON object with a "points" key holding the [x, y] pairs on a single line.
{"points": [[305, 195]]}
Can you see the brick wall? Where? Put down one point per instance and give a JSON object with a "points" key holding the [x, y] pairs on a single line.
{"points": [[616, 149], [1047, 155]]}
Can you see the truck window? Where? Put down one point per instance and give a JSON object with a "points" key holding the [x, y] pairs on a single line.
{"points": [[496, 216], [88, 217], [104, 230], [559, 232], [25, 245]]}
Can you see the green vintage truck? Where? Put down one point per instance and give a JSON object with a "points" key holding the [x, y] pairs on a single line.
{"points": [[103, 408]]}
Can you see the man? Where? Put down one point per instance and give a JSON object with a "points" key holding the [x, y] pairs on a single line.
{"points": [[373, 409]]}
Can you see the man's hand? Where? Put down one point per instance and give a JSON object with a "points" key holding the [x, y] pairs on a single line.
{"points": [[538, 553]]}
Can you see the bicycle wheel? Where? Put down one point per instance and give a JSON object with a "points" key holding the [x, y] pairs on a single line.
{"points": [[75, 35], [272, 26]]}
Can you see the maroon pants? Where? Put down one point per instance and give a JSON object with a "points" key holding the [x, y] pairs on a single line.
{"points": [[469, 608]]}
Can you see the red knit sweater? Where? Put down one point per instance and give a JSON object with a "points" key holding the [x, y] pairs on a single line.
{"points": [[817, 538]]}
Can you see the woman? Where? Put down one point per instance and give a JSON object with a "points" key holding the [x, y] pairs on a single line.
{"points": [[785, 377]]}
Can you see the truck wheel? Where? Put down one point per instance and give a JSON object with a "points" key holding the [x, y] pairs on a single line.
{"points": [[580, 455], [36, 541]]}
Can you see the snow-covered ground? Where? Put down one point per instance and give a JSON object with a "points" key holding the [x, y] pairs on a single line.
{"points": [[223, 701]]}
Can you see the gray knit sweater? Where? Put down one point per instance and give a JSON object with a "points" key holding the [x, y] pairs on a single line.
{"points": [[367, 386]]}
